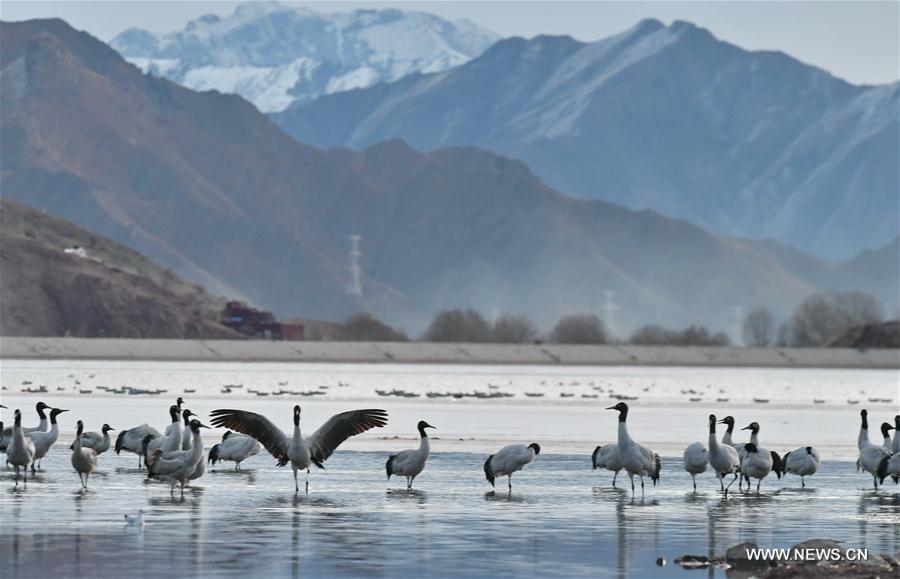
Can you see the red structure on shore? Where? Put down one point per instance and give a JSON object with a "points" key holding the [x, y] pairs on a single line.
{"points": [[258, 323]]}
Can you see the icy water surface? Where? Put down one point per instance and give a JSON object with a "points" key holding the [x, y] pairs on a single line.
{"points": [[562, 517]]}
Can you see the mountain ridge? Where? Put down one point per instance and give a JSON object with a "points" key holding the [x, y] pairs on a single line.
{"points": [[206, 185], [745, 143]]}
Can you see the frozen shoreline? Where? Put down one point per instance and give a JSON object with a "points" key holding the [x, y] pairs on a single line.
{"points": [[428, 353]]}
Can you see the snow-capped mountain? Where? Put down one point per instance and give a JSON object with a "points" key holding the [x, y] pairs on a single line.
{"points": [[207, 186], [667, 118], [274, 55]]}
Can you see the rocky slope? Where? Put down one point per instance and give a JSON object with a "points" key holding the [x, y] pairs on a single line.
{"points": [[60, 280]]}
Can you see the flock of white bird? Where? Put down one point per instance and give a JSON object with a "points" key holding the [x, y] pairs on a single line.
{"points": [[176, 456]]}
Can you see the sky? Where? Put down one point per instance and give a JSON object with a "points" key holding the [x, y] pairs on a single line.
{"points": [[855, 40]]}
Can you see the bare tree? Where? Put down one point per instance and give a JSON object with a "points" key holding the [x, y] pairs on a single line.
{"points": [[459, 326], [368, 328], [579, 329], [824, 316], [512, 329], [758, 328]]}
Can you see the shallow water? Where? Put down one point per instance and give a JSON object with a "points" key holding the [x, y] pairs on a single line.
{"points": [[562, 517]]}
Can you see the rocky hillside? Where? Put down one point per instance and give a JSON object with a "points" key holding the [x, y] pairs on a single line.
{"points": [[61, 280]]}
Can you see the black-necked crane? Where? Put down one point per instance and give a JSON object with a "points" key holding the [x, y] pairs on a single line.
{"points": [[298, 450]]}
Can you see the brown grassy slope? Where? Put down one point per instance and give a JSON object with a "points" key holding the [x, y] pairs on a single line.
{"points": [[113, 292]]}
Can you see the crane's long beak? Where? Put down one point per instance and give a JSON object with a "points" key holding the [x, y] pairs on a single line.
{"points": [[60, 410], [204, 426], [747, 428], [611, 408], [722, 422]]}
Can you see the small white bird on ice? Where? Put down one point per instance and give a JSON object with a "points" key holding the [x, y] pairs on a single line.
{"points": [[135, 520]]}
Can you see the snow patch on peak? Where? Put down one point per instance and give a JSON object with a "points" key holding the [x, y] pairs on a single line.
{"points": [[324, 53]]}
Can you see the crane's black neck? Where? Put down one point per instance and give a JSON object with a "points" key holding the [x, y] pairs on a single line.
{"points": [[40, 411], [422, 432], [865, 420]]}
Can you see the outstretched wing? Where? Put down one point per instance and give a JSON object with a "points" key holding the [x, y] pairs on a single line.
{"points": [[257, 426], [339, 428]]}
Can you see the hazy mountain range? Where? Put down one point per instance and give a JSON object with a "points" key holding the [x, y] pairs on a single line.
{"points": [[274, 55], [667, 118], [207, 185]]}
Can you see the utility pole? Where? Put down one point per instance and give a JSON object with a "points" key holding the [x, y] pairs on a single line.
{"points": [[609, 311], [355, 285]]}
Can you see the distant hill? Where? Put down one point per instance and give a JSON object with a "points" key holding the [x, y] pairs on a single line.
{"points": [[667, 118], [96, 289], [276, 54], [206, 185]]}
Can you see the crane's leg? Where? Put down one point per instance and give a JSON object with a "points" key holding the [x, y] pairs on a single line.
{"points": [[614, 478], [694, 479], [802, 482], [17, 475], [307, 480], [631, 476], [237, 466], [759, 482], [182, 489], [731, 483], [25, 476], [296, 485], [642, 485], [875, 482], [721, 482], [408, 483], [86, 477], [509, 479]]}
